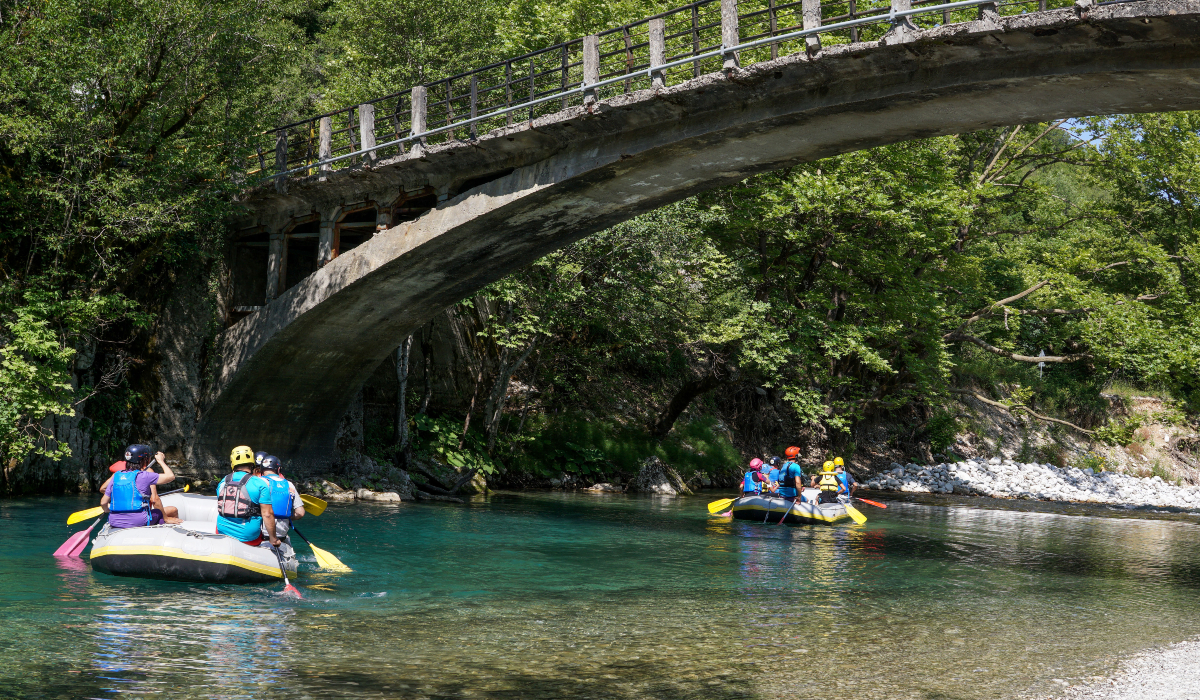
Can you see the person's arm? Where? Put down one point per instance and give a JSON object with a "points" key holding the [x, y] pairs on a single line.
{"points": [[155, 502], [297, 504], [167, 476], [104, 501], [799, 483], [268, 517], [107, 483]]}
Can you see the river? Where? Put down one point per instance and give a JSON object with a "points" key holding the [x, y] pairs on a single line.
{"points": [[549, 595]]}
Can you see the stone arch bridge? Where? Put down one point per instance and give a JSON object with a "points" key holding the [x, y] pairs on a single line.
{"points": [[380, 216]]}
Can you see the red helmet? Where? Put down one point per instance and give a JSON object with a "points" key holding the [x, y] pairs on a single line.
{"points": [[117, 466], [755, 463], [792, 451]]}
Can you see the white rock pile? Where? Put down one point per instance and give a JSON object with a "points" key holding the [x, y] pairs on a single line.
{"points": [[1006, 478]]}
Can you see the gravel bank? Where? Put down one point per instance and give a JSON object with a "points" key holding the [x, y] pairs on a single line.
{"points": [[1006, 478], [1170, 673]]}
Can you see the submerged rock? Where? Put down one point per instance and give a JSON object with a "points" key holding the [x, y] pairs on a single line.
{"points": [[658, 477], [605, 488]]}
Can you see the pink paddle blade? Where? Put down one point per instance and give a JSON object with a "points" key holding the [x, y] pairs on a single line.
{"points": [[75, 544], [292, 590]]}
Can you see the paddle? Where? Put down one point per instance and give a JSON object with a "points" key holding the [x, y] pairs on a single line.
{"points": [[81, 515], [871, 503], [287, 585], [786, 513], [715, 505], [76, 543], [313, 505], [324, 559], [854, 513]]}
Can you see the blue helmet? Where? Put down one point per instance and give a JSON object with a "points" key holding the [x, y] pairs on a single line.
{"points": [[137, 456], [259, 457], [272, 462]]}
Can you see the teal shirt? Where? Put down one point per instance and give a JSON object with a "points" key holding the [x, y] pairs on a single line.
{"points": [[245, 529]]}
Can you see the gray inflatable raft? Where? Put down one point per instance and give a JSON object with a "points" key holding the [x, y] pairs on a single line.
{"points": [[190, 551], [760, 509]]}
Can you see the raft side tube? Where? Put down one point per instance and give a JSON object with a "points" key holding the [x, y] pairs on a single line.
{"points": [[174, 553]]}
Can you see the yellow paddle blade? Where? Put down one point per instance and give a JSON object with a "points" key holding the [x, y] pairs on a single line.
{"points": [[858, 517], [85, 515], [720, 505], [327, 560], [312, 504]]}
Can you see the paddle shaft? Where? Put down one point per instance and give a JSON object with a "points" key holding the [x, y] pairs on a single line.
{"points": [[287, 585]]}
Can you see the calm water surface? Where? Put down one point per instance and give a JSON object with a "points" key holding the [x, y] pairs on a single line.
{"points": [[553, 596]]}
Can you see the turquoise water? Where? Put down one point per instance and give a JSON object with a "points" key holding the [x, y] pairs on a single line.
{"points": [[559, 595]]}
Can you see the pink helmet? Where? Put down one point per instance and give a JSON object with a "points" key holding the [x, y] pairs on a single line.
{"points": [[755, 463]]}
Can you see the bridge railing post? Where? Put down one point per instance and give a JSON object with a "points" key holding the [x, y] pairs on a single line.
{"points": [[902, 27], [366, 127], [418, 118], [729, 33], [474, 105], [811, 10], [281, 161], [591, 68], [658, 52], [325, 145]]}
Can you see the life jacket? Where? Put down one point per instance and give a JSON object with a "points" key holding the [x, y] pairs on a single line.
{"points": [[829, 481], [125, 495], [281, 496], [749, 482], [787, 479], [844, 480], [232, 501]]}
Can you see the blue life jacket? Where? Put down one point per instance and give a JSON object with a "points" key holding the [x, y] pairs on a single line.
{"points": [[773, 475], [281, 497], [125, 495], [787, 479], [846, 480], [749, 484]]}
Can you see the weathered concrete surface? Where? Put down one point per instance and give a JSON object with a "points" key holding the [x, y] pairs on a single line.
{"points": [[288, 371]]}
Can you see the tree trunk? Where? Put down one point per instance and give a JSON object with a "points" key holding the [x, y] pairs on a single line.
{"points": [[402, 355], [683, 398], [427, 355], [495, 404]]}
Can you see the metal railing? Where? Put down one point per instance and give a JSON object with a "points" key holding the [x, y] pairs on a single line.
{"points": [[659, 51]]}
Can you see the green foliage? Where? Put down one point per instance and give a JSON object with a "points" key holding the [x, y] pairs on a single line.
{"points": [[1119, 432], [941, 429], [440, 437], [1091, 460]]}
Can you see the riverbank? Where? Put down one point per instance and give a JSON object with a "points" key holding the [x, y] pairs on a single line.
{"points": [[1006, 478], [1167, 673]]}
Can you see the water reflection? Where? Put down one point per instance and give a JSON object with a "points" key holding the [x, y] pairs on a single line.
{"points": [[555, 595]]}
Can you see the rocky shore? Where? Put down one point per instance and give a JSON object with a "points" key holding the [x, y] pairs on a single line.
{"points": [[1170, 673], [1006, 478]]}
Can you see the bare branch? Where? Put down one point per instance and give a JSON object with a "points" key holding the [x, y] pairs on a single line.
{"points": [[953, 337], [989, 310], [1020, 407]]}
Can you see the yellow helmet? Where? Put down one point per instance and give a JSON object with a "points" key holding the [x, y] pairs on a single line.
{"points": [[241, 455], [837, 462], [827, 467]]}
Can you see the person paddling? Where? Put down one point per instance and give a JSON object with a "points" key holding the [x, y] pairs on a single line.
{"points": [[285, 499], [828, 482], [244, 502], [131, 495], [846, 482], [791, 478]]}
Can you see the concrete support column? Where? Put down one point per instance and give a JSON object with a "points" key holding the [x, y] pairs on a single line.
{"points": [[325, 145], [658, 51], [325, 242], [383, 218], [591, 67], [366, 127], [276, 255], [812, 20], [729, 33], [418, 117]]}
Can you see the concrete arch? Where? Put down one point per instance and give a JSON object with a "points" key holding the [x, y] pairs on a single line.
{"points": [[288, 371]]}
